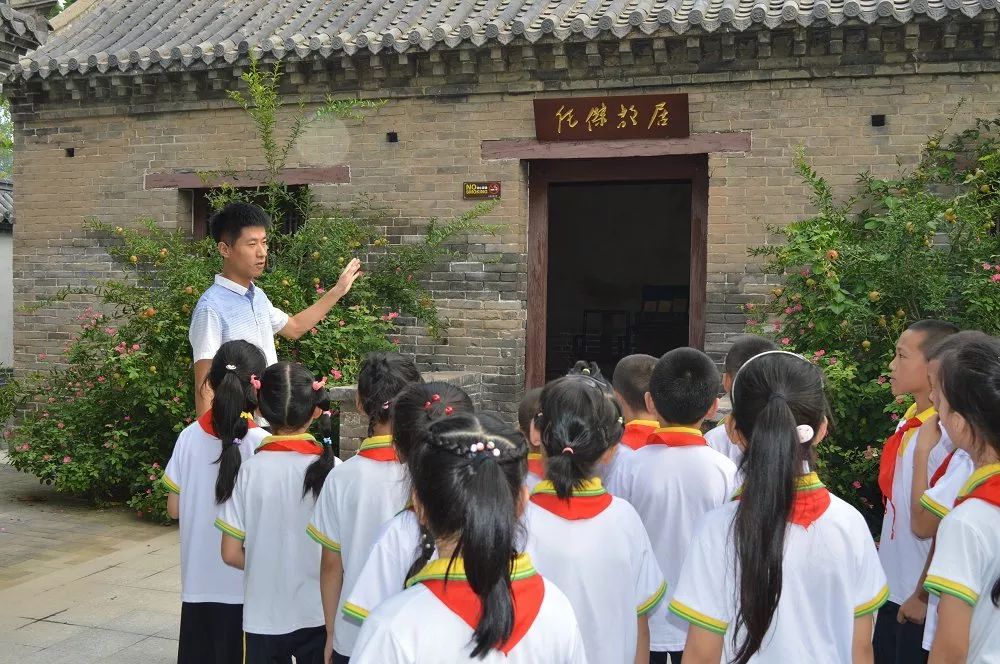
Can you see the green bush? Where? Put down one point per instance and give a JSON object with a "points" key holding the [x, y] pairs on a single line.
{"points": [[854, 275]]}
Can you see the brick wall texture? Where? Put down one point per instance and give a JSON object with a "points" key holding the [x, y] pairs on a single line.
{"points": [[814, 89]]}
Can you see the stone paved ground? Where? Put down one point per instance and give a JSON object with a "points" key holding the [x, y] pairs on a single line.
{"points": [[83, 585]]}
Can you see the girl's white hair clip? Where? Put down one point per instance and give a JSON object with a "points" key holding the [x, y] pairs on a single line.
{"points": [[805, 433]]}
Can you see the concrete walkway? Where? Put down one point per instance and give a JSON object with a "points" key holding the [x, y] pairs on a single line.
{"points": [[83, 585]]}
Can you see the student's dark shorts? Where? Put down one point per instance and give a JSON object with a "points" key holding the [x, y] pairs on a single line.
{"points": [[306, 645], [211, 633]]}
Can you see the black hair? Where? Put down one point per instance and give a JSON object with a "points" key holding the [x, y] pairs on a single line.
{"points": [[579, 421], [324, 424], [585, 368], [771, 396], [381, 378], [418, 405], [475, 497], [232, 395], [970, 383], [744, 347], [934, 332], [227, 224], [287, 400], [684, 384], [631, 379], [953, 341], [528, 408]]}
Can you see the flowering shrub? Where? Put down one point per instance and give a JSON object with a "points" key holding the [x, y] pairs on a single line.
{"points": [[854, 275]]}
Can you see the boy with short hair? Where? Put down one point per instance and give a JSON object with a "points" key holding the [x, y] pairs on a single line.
{"points": [[902, 553], [630, 384], [744, 347], [676, 477], [526, 412], [234, 308]]}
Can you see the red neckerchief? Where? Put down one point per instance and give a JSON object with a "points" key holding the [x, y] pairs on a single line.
{"points": [[984, 485], [676, 437], [378, 448], [535, 464], [942, 469], [205, 422], [810, 502], [585, 503], [302, 443], [452, 588], [637, 433], [890, 452]]}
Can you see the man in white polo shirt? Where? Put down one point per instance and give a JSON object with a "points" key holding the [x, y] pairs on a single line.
{"points": [[233, 308]]}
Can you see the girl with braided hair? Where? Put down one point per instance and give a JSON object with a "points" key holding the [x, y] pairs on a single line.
{"points": [[363, 493], [485, 601]]}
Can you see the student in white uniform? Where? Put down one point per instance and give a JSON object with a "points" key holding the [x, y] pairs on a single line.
{"points": [[525, 412], [902, 553], [631, 382], [263, 523], [200, 475], [363, 493], [786, 572], [591, 545], [965, 571], [743, 348], [402, 547], [676, 477], [480, 601]]}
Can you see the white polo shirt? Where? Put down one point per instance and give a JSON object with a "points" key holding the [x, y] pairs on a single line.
{"points": [[191, 473], [396, 548], [269, 513], [605, 565], [358, 497], [672, 488], [415, 627], [536, 470], [228, 311], [614, 473], [967, 563], [940, 500], [902, 553], [830, 576], [718, 439]]}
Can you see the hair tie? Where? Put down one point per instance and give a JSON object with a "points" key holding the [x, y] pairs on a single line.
{"points": [[568, 450], [385, 406], [231, 367], [255, 381], [427, 405], [585, 371], [435, 398], [318, 384], [621, 420], [328, 441], [805, 433], [777, 395], [247, 416], [448, 410]]}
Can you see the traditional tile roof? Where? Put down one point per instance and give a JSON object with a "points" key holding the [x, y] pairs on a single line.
{"points": [[175, 34], [6, 205], [19, 33]]}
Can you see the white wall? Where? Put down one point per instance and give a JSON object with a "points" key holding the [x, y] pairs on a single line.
{"points": [[6, 300]]}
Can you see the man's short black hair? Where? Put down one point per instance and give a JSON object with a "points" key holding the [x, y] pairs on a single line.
{"points": [[744, 347], [684, 384], [631, 379], [228, 223], [934, 332]]}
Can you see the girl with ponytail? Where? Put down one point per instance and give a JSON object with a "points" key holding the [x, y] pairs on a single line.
{"points": [[483, 601], [786, 570], [965, 570], [264, 521], [201, 473], [612, 587], [363, 493]]}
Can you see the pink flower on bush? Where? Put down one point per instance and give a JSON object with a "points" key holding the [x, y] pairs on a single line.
{"points": [[46, 457], [152, 477], [107, 446], [149, 492], [60, 425], [881, 380], [777, 326], [45, 414], [128, 418], [871, 453], [101, 379], [788, 310], [156, 465], [67, 459], [337, 375], [110, 331], [785, 341], [135, 346], [395, 340], [320, 291], [820, 353], [856, 484], [341, 323], [832, 361], [751, 321], [894, 417], [314, 331], [986, 266], [996, 277], [41, 357]]}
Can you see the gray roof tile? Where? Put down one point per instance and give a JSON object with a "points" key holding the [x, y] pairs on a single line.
{"points": [[129, 34]]}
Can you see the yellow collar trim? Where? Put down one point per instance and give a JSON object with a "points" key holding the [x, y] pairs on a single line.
{"points": [[690, 430], [532, 456], [454, 569], [293, 436], [643, 423], [978, 477], [591, 487], [376, 442], [806, 482]]}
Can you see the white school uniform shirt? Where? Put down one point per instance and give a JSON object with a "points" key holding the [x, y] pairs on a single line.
{"points": [[415, 627], [672, 488], [718, 439], [228, 311], [396, 548], [940, 500], [966, 564], [902, 553], [191, 473], [269, 514], [536, 470], [359, 496], [614, 473], [830, 576], [603, 563]]}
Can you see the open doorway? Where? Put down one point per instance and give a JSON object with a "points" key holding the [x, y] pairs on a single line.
{"points": [[619, 266]]}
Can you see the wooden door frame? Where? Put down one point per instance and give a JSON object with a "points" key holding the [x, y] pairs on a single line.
{"points": [[542, 173]]}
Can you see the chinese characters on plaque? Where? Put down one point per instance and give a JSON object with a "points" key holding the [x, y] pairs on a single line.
{"points": [[628, 116]]}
